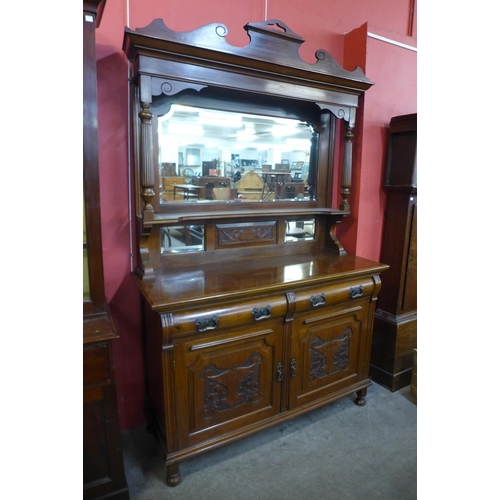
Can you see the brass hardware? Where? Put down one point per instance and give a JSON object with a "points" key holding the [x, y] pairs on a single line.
{"points": [[293, 368]]}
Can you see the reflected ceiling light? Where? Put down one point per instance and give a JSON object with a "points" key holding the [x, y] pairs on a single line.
{"points": [[301, 143], [283, 130], [220, 122], [296, 272], [185, 129], [248, 134]]}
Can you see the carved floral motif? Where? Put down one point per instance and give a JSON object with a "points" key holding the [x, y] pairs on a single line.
{"points": [[247, 235], [226, 389], [329, 356]]}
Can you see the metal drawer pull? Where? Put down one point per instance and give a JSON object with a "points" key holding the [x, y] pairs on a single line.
{"points": [[293, 368], [318, 300], [261, 312], [204, 324], [356, 291], [279, 372]]}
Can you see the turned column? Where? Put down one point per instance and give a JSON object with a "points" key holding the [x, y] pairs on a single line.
{"points": [[345, 182], [146, 169]]}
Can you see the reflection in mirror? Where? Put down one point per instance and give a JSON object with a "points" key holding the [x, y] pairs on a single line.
{"points": [[299, 230], [252, 157], [181, 239]]}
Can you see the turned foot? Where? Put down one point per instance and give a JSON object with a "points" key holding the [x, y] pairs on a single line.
{"points": [[360, 399], [173, 475]]}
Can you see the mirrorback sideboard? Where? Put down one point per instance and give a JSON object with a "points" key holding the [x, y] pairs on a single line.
{"points": [[253, 311]]}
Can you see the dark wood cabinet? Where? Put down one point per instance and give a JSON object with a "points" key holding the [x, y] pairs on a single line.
{"points": [[103, 471], [264, 316], [395, 327]]}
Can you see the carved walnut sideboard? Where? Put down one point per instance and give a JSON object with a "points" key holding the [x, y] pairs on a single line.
{"points": [[253, 311]]}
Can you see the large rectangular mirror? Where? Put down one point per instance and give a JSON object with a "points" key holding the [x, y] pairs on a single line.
{"points": [[212, 155]]}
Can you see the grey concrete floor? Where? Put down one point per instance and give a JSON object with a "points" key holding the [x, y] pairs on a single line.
{"points": [[338, 452]]}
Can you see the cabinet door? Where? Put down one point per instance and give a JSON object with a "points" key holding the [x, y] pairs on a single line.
{"points": [[226, 381], [103, 471], [328, 351]]}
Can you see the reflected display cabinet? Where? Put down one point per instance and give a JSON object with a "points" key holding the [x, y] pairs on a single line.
{"points": [[253, 311], [103, 470]]}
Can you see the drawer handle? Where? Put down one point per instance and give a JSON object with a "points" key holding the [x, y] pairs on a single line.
{"points": [[204, 324], [356, 291], [279, 372], [318, 300], [293, 368], [261, 312]]}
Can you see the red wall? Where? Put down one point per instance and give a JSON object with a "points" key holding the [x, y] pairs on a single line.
{"points": [[393, 68], [323, 25]]}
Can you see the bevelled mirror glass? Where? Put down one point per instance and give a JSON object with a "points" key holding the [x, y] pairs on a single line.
{"points": [[209, 155], [299, 230], [182, 239]]}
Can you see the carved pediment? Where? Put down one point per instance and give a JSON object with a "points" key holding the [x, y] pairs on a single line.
{"points": [[272, 43]]}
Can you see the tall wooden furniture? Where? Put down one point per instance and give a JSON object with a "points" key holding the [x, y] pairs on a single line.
{"points": [[103, 472], [245, 326], [395, 329], [211, 182]]}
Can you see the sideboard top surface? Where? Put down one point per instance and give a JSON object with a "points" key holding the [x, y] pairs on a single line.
{"points": [[178, 287]]}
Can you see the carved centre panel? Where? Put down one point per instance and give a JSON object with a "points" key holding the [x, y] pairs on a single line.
{"points": [[329, 356], [261, 233], [226, 389]]}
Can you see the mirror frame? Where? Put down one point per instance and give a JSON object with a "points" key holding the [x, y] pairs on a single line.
{"points": [[210, 99], [169, 63]]}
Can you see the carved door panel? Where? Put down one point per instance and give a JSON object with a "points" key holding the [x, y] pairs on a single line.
{"points": [[328, 351], [226, 381]]}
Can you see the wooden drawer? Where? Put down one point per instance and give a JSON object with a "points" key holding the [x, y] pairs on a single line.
{"points": [[328, 295], [228, 315]]}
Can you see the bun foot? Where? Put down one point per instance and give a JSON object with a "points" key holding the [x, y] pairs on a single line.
{"points": [[360, 399], [173, 475]]}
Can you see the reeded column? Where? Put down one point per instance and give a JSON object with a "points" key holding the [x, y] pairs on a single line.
{"points": [[147, 177], [345, 182]]}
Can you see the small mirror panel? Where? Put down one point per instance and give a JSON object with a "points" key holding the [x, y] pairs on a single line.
{"points": [[213, 155], [299, 230], [182, 239]]}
